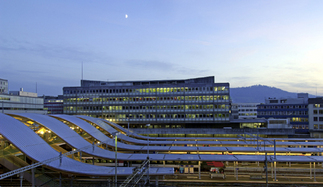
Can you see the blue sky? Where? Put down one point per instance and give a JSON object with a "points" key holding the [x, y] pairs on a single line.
{"points": [[276, 42]]}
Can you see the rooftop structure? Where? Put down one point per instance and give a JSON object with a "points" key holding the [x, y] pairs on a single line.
{"points": [[21, 92]]}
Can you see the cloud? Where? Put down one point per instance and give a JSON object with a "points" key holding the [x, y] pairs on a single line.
{"points": [[52, 51], [199, 42], [192, 72], [150, 64]]}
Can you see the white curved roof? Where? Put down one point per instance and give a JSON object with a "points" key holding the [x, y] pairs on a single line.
{"points": [[230, 146], [302, 141], [72, 137], [38, 150]]}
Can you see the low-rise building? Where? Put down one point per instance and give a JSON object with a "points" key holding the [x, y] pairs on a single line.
{"points": [[244, 110], [53, 104], [21, 102], [294, 109]]}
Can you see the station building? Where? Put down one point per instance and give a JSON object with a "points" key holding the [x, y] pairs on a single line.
{"points": [[189, 103]]}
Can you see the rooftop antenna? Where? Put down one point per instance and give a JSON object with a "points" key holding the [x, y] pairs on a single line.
{"points": [[36, 87]]}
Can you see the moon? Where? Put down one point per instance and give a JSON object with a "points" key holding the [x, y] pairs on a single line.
{"points": [[126, 16]]}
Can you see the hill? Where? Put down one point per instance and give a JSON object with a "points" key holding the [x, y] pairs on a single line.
{"points": [[258, 93]]}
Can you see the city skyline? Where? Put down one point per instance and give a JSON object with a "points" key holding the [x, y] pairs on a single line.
{"points": [[273, 43]]}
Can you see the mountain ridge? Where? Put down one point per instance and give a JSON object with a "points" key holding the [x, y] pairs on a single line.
{"points": [[258, 94]]}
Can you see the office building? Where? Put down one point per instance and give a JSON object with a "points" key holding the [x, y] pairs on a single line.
{"points": [[21, 102], [244, 110], [3, 86], [315, 117], [53, 104], [197, 102], [294, 109]]}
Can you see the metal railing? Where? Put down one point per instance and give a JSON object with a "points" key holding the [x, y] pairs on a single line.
{"points": [[137, 175]]}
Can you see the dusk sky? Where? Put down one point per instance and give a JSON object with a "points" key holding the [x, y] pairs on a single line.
{"points": [[275, 43]]}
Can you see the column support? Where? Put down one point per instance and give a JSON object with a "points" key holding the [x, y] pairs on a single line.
{"points": [[199, 169], [237, 176], [164, 166], [234, 168], [275, 170], [21, 178], [60, 179], [314, 171], [310, 170], [33, 176], [272, 170]]}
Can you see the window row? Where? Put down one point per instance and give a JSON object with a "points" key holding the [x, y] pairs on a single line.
{"points": [[317, 118], [247, 114], [149, 90], [317, 111], [285, 113], [164, 116], [299, 119], [281, 107], [247, 110], [316, 126], [151, 107], [134, 99]]}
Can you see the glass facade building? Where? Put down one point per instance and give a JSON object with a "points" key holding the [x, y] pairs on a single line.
{"points": [[167, 102]]}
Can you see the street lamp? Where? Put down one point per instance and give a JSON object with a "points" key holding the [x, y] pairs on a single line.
{"points": [[115, 135], [147, 125]]}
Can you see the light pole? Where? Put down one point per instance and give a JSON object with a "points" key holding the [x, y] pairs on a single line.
{"points": [[128, 124], [115, 135], [147, 125]]}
